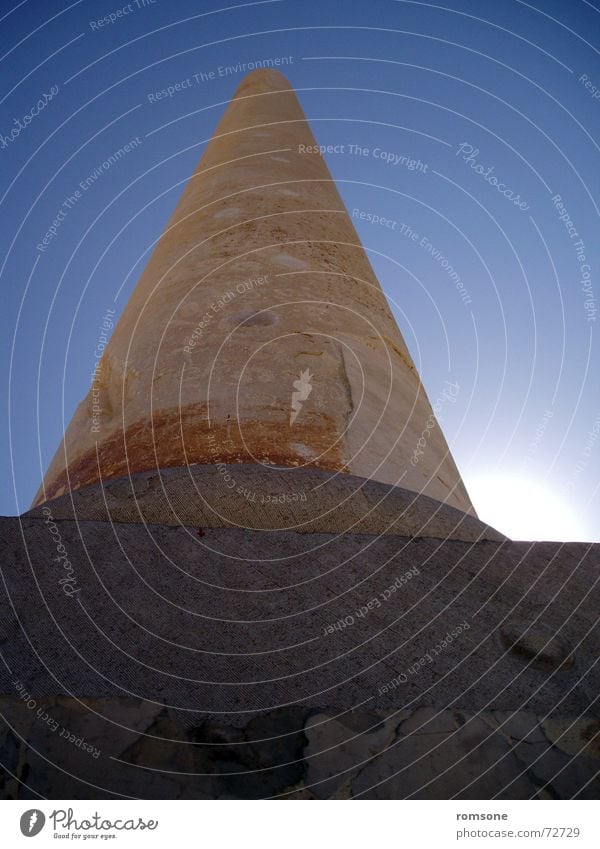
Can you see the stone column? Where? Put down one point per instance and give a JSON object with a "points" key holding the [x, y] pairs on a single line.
{"points": [[258, 332]]}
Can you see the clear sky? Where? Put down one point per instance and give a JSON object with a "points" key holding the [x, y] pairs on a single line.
{"points": [[497, 106]]}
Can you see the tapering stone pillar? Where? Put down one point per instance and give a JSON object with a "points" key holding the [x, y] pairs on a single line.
{"points": [[258, 332]]}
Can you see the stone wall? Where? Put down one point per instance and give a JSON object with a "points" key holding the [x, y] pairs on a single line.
{"points": [[219, 661]]}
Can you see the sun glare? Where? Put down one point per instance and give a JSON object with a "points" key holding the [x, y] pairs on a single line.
{"points": [[524, 509]]}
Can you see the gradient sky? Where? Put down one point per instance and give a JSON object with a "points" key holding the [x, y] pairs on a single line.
{"points": [[513, 83]]}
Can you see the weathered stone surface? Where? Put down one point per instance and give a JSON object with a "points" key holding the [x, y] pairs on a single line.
{"points": [[290, 753], [469, 763], [519, 725], [337, 748], [199, 664], [428, 720], [459, 765], [578, 736], [563, 776]]}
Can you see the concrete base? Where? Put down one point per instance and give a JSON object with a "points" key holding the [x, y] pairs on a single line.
{"points": [[253, 497], [308, 664]]}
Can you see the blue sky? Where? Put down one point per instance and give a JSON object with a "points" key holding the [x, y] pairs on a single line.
{"points": [[499, 102]]}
